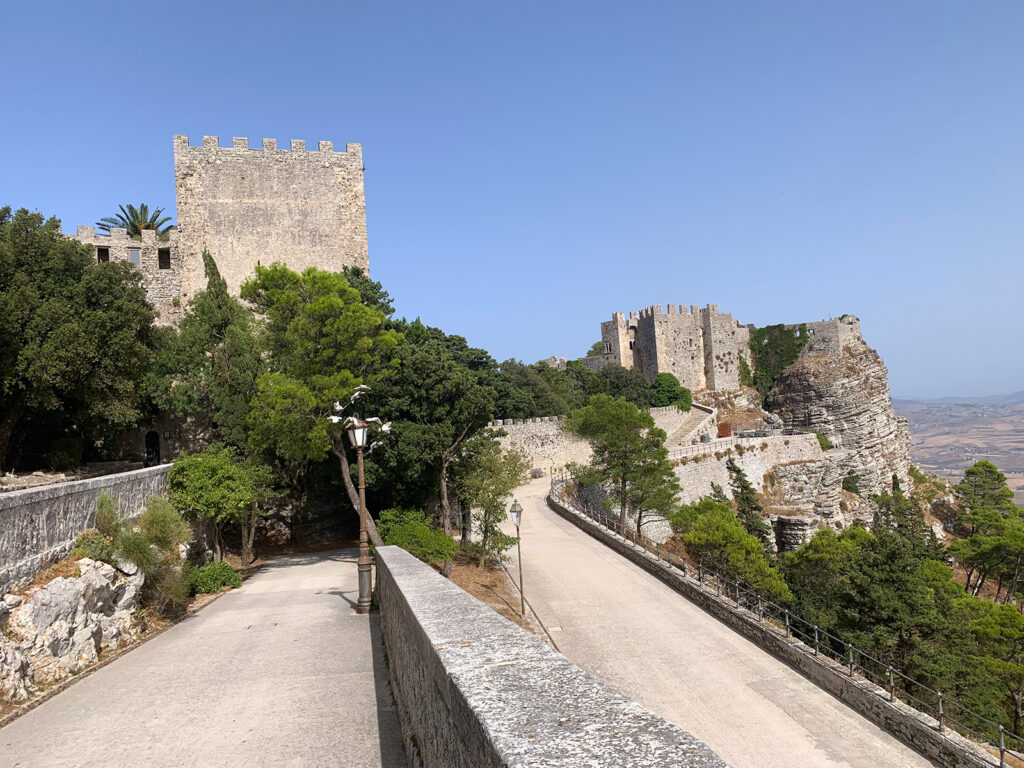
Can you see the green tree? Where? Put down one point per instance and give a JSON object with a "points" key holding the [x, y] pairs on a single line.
{"points": [[627, 383], [135, 220], [486, 486], [596, 349], [435, 404], [76, 337], [748, 506], [904, 517], [208, 373], [1000, 634], [371, 291], [618, 433], [666, 390], [653, 489], [717, 540], [322, 342], [219, 488], [775, 348], [718, 493], [985, 504]]}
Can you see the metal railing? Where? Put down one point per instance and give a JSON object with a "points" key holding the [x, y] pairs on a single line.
{"points": [[860, 667]]}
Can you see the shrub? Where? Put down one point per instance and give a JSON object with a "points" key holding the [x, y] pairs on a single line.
{"points": [[851, 483], [408, 529], [212, 577], [824, 442], [94, 545], [107, 521]]}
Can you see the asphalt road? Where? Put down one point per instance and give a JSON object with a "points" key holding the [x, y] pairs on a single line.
{"points": [[279, 673], [623, 625]]}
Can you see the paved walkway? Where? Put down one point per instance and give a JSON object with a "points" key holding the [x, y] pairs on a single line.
{"points": [[629, 629], [279, 673]]}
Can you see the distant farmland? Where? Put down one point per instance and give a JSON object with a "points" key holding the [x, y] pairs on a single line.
{"points": [[949, 437]]}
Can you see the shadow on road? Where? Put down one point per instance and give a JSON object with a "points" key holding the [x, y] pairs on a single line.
{"points": [[392, 753]]}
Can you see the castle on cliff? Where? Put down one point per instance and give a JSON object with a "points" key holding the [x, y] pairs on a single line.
{"points": [[703, 348], [247, 206]]}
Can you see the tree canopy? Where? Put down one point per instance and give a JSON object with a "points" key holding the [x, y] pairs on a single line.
{"points": [[76, 338]]}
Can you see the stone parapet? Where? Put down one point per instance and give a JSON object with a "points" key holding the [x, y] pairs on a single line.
{"points": [[38, 526], [472, 689]]}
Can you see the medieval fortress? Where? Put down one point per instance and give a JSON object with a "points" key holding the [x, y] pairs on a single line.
{"points": [[248, 206], [305, 208], [700, 347]]}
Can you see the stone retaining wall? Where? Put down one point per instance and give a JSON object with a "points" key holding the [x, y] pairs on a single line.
{"points": [[915, 728], [474, 690], [38, 526], [548, 444]]}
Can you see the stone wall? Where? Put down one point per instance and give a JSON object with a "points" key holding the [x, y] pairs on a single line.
{"points": [[472, 689], [545, 440], [548, 444], [38, 526], [918, 730], [249, 205], [701, 465], [160, 277]]}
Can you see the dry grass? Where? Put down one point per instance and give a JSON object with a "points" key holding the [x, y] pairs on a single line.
{"points": [[66, 568], [490, 585]]}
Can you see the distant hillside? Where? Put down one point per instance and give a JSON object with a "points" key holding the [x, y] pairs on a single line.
{"points": [[1014, 398], [950, 435]]}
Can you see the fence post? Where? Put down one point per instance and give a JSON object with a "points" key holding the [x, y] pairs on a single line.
{"points": [[849, 657], [760, 609], [892, 685], [815, 639], [1002, 747], [700, 574], [788, 631], [942, 717]]}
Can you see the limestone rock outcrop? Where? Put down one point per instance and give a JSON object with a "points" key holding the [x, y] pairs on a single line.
{"points": [[846, 398], [61, 628]]}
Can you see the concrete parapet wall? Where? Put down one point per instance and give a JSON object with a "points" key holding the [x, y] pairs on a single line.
{"points": [[915, 728], [38, 526], [472, 689]]}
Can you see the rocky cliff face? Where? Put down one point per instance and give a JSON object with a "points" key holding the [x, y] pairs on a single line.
{"points": [[61, 628], [846, 398]]}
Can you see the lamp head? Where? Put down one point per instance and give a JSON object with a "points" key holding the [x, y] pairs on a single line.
{"points": [[516, 511]]}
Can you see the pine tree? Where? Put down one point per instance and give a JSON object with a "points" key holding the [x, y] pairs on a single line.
{"points": [[748, 506]]}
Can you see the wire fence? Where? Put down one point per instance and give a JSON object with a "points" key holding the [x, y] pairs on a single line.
{"points": [[859, 666]]}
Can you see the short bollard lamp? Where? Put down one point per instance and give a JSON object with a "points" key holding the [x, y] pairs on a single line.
{"points": [[358, 430], [516, 511]]}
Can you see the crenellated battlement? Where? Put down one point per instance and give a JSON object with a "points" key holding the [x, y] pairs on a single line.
{"points": [[241, 143]]}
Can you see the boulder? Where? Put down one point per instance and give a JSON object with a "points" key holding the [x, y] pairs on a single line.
{"points": [[61, 628]]}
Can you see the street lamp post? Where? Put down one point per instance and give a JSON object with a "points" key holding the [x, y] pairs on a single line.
{"points": [[516, 510], [357, 433]]}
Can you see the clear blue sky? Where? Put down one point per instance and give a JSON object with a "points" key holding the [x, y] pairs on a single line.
{"points": [[532, 167]]}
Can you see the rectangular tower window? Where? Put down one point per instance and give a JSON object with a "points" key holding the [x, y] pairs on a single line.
{"points": [[102, 255], [135, 256], [163, 256]]}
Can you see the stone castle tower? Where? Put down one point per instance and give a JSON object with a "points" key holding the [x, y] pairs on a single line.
{"points": [[248, 206], [701, 347]]}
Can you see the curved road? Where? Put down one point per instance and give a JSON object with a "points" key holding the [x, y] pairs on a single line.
{"points": [[632, 631]]}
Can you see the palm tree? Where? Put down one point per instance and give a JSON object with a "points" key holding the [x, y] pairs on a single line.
{"points": [[135, 220]]}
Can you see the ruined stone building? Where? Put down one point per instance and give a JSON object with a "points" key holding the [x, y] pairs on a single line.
{"points": [[248, 206], [700, 347]]}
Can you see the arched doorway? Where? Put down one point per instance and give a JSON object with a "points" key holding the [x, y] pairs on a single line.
{"points": [[152, 448]]}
